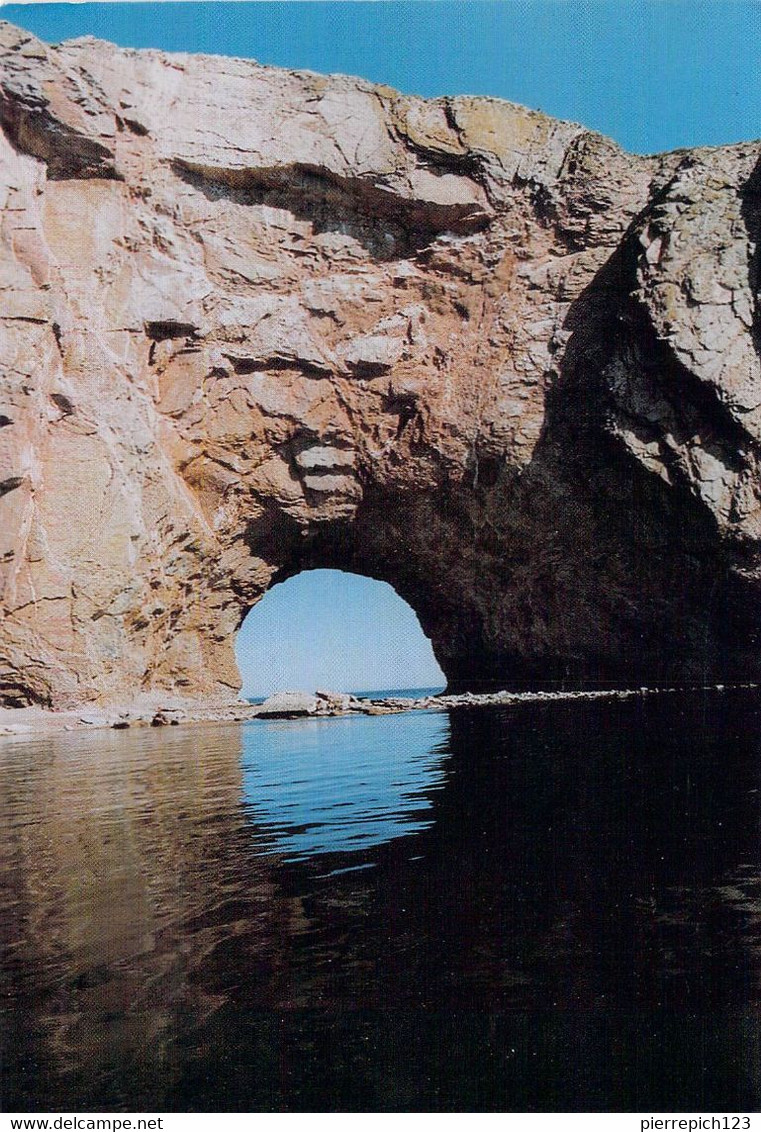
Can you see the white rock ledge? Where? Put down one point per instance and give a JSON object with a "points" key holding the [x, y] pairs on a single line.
{"points": [[32, 723]]}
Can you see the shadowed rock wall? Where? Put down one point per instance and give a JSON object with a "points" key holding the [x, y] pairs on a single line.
{"points": [[254, 321]]}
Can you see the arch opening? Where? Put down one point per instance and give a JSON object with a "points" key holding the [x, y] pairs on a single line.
{"points": [[335, 630]]}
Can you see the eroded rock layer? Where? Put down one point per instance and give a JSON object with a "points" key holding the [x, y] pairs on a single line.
{"points": [[255, 321]]}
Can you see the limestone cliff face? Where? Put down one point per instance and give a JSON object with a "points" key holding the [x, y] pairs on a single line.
{"points": [[255, 321]]}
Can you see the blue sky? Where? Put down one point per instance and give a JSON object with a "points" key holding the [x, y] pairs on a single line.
{"points": [[653, 74], [327, 629]]}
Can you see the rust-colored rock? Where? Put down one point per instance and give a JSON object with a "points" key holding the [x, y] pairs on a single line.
{"points": [[254, 321]]}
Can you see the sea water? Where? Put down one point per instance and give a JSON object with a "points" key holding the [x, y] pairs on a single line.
{"points": [[537, 907]]}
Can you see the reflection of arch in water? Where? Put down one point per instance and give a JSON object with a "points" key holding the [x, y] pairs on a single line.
{"points": [[163, 957], [335, 629], [343, 785]]}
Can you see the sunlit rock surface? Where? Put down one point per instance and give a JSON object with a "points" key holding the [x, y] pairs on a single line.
{"points": [[254, 321]]}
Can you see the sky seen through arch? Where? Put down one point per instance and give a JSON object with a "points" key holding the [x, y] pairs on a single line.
{"points": [[336, 631]]}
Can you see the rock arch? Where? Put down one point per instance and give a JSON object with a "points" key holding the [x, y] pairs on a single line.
{"points": [[455, 345]]}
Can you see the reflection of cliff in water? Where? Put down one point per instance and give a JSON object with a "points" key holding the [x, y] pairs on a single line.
{"points": [[109, 838], [566, 913], [141, 898]]}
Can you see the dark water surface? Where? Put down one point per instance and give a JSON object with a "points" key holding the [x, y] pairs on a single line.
{"points": [[535, 908]]}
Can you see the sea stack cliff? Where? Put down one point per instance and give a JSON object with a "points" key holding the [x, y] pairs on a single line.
{"points": [[255, 321]]}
